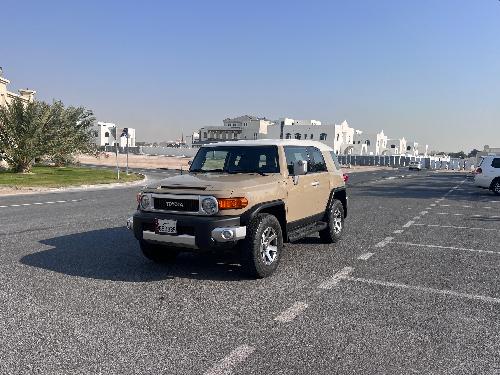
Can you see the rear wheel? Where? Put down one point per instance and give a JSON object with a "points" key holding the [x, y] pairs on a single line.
{"points": [[262, 247], [495, 186], [158, 253], [335, 220]]}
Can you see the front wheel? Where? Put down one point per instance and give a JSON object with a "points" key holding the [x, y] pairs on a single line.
{"points": [[335, 220], [158, 253], [495, 186], [262, 247]]}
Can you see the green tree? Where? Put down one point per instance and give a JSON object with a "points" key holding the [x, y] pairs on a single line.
{"points": [[37, 129], [460, 155], [473, 153]]}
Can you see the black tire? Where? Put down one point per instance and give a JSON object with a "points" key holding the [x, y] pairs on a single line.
{"points": [[335, 220], [257, 260], [495, 186], [158, 253]]}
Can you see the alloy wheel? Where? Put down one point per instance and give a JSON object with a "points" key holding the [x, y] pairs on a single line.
{"points": [[496, 187], [269, 246], [337, 221]]}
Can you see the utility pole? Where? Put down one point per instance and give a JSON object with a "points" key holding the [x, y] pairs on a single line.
{"points": [[114, 133], [125, 134]]}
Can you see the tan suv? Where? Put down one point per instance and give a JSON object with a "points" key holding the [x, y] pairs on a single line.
{"points": [[249, 195]]}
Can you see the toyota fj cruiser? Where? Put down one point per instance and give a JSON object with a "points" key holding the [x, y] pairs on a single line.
{"points": [[249, 195]]}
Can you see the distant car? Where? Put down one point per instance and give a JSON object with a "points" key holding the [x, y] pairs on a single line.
{"points": [[415, 166], [487, 174]]}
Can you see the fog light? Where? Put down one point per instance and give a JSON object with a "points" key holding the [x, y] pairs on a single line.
{"points": [[227, 234]]}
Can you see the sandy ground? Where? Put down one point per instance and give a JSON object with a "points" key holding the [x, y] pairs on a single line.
{"points": [[136, 161], [149, 162]]}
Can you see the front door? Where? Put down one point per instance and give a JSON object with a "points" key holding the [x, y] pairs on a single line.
{"points": [[302, 202]]}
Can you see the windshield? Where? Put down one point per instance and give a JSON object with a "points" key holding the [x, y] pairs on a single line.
{"points": [[236, 159]]}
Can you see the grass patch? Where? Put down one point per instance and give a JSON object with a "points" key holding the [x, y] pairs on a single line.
{"points": [[63, 176]]}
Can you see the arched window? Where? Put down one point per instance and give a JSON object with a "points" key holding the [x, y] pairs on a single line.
{"points": [[322, 137], [338, 135], [106, 134], [312, 136], [297, 136], [288, 136], [368, 143]]}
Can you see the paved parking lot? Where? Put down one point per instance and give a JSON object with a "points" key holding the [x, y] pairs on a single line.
{"points": [[412, 288]]}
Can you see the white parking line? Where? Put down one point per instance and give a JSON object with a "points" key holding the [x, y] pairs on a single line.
{"points": [[458, 227], [424, 289], [39, 203], [448, 247], [226, 365], [398, 231], [291, 313], [365, 256], [442, 213], [329, 284], [409, 224], [384, 242], [423, 213], [416, 218]]}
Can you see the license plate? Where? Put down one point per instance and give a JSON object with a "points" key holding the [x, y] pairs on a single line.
{"points": [[166, 226]]}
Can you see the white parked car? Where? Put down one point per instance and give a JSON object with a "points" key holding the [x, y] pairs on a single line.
{"points": [[487, 175], [415, 165]]}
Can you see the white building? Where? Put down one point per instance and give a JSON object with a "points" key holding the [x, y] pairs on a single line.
{"points": [[287, 128], [105, 135], [243, 127]]}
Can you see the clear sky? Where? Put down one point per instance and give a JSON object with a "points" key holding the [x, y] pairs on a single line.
{"points": [[427, 70]]}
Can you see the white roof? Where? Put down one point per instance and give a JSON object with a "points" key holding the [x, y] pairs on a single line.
{"points": [[273, 142]]}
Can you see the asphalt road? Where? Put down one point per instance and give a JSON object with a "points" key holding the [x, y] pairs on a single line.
{"points": [[413, 287]]}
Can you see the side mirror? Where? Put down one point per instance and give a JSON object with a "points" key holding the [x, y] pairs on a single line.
{"points": [[299, 167]]}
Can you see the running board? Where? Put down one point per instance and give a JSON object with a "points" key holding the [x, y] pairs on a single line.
{"points": [[302, 232]]}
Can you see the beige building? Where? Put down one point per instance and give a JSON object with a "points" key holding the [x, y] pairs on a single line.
{"points": [[7, 96]]}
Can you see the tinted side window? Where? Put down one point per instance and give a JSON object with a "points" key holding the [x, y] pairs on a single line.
{"points": [[495, 163], [335, 160], [293, 154], [316, 160]]}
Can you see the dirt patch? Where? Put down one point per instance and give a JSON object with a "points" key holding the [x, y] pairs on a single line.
{"points": [[137, 161]]}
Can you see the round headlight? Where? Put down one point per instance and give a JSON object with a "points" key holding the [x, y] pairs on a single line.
{"points": [[209, 205], [145, 201]]}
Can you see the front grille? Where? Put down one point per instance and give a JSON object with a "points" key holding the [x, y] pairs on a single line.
{"points": [[171, 204]]}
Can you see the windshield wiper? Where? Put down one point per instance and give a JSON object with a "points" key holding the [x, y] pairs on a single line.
{"points": [[205, 170], [250, 171]]}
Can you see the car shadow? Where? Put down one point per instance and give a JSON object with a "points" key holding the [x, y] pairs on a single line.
{"points": [[114, 254]]}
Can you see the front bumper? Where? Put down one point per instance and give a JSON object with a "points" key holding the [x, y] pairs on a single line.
{"points": [[196, 232]]}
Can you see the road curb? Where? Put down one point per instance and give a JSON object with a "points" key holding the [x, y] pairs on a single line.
{"points": [[114, 185]]}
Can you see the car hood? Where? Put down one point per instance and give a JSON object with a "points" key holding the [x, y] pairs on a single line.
{"points": [[197, 183]]}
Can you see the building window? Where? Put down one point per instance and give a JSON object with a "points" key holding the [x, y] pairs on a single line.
{"points": [[322, 137], [106, 134], [393, 146], [305, 136], [408, 148], [288, 136], [338, 135], [367, 142], [312, 136], [297, 136], [205, 135], [358, 142]]}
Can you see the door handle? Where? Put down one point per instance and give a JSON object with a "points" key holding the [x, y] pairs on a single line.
{"points": [[315, 183]]}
